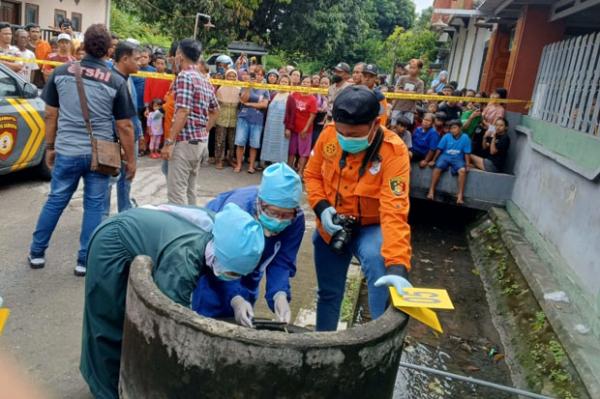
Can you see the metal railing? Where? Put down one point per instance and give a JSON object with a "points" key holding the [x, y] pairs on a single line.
{"points": [[567, 88]]}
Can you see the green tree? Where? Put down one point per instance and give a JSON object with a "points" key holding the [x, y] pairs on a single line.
{"points": [[128, 25], [393, 13], [415, 43]]}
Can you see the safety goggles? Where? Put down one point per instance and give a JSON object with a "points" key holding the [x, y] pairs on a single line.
{"points": [[275, 213]]}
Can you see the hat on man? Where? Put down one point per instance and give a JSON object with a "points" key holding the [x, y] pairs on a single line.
{"points": [[355, 105], [239, 240], [63, 36], [370, 69], [280, 186], [343, 67]]}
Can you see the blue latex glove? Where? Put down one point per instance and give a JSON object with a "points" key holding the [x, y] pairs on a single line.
{"points": [[327, 221], [398, 282]]}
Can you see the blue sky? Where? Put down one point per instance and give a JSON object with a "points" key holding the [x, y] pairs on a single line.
{"points": [[421, 4]]}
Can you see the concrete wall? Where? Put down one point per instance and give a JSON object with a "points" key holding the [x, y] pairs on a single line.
{"points": [[556, 193], [93, 11]]}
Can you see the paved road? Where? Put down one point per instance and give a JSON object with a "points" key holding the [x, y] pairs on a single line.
{"points": [[44, 330]]}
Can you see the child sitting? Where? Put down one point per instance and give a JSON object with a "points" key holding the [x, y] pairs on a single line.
{"points": [[400, 127], [424, 141], [440, 123], [453, 151], [155, 122]]}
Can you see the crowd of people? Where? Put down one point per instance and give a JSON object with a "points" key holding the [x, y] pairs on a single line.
{"points": [[267, 126], [355, 172]]}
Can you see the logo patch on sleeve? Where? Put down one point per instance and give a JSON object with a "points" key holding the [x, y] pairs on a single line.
{"points": [[397, 186], [330, 149]]}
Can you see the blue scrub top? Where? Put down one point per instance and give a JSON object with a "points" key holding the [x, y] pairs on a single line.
{"points": [[212, 296]]}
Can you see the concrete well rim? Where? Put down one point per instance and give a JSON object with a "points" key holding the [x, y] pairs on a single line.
{"points": [[142, 283]]}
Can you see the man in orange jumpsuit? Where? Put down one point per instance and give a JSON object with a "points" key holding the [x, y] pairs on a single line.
{"points": [[358, 169]]}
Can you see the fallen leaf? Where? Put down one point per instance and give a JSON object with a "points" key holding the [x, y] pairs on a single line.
{"points": [[475, 272], [457, 248], [448, 261], [425, 260], [472, 369], [498, 357]]}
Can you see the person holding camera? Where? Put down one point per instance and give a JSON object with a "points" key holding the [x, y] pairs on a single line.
{"points": [[357, 183]]}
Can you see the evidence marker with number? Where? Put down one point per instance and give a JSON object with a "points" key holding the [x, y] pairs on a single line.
{"points": [[418, 302]]}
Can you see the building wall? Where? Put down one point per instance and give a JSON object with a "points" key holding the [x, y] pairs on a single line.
{"points": [[93, 11], [557, 191], [467, 55]]}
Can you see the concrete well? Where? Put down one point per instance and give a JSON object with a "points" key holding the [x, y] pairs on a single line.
{"points": [[169, 351]]}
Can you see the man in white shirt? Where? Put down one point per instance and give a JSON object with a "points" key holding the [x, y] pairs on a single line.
{"points": [[7, 49], [28, 68]]}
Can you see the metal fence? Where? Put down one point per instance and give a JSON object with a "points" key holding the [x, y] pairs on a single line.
{"points": [[567, 88]]}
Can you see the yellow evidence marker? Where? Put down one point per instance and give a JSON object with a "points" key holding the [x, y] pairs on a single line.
{"points": [[4, 313], [418, 302]]}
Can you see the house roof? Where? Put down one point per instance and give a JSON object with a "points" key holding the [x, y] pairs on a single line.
{"points": [[246, 47]]}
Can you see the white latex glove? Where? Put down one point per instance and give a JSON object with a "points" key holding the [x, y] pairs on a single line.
{"points": [[398, 282], [242, 310], [327, 221], [282, 307]]}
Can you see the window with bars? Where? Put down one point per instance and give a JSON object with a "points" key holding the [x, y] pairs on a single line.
{"points": [[567, 88]]}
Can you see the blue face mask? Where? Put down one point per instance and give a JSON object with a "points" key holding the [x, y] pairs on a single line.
{"points": [[353, 145], [272, 224]]}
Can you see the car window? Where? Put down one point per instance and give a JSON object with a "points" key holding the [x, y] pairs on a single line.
{"points": [[8, 85]]}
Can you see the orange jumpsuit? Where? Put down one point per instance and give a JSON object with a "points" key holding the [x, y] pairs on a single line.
{"points": [[381, 194], [384, 116], [169, 108]]}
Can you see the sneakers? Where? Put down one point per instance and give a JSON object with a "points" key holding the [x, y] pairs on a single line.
{"points": [[80, 270], [36, 262]]}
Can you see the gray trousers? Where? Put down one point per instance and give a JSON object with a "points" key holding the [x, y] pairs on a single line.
{"points": [[183, 172]]}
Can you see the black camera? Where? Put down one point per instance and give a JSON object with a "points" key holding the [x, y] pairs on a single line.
{"points": [[342, 237]]}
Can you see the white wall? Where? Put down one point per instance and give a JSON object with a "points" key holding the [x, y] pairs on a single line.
{"points": [[93, 11], [467, 55]]}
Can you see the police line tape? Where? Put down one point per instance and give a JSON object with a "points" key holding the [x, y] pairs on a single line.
{"points": [[297, 89]]}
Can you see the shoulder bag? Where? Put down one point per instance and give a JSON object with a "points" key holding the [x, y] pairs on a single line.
{"points": [[106, 155]]}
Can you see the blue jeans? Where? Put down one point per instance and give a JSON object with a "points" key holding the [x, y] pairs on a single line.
{"points": [[332, 270], [247, 133], [67, 172], [123, 189]]}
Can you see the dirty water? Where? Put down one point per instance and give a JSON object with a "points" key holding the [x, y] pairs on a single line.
{"points": [[470, 345]]}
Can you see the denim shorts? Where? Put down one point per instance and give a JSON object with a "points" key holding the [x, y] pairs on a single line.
{"points": [[455, 164], [247, 133]]}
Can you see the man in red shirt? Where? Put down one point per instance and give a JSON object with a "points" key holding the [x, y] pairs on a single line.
{"points": [[301, 136], [63, 54]]}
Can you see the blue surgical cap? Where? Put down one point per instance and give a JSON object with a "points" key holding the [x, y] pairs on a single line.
{"points": [[238, 239], [280, 186]]}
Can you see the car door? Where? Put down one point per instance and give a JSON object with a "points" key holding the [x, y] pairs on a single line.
{"points": [[22, 132]]}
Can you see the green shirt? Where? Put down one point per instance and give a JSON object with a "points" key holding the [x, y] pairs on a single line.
{"points": [[474, 123]]}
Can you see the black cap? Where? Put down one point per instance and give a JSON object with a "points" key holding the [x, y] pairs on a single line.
{"points": [[342, 66], [371, 69], [441, 115], [355, 105]]}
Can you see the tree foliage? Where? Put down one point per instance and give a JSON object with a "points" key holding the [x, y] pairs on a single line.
{"points": [[309, 32]]}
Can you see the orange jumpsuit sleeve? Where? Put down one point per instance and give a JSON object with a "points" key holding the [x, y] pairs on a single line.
{"points": [[394, 207], [313, 178]]}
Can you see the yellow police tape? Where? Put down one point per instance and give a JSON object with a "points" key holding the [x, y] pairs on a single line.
{"points": [[297, 89]]}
